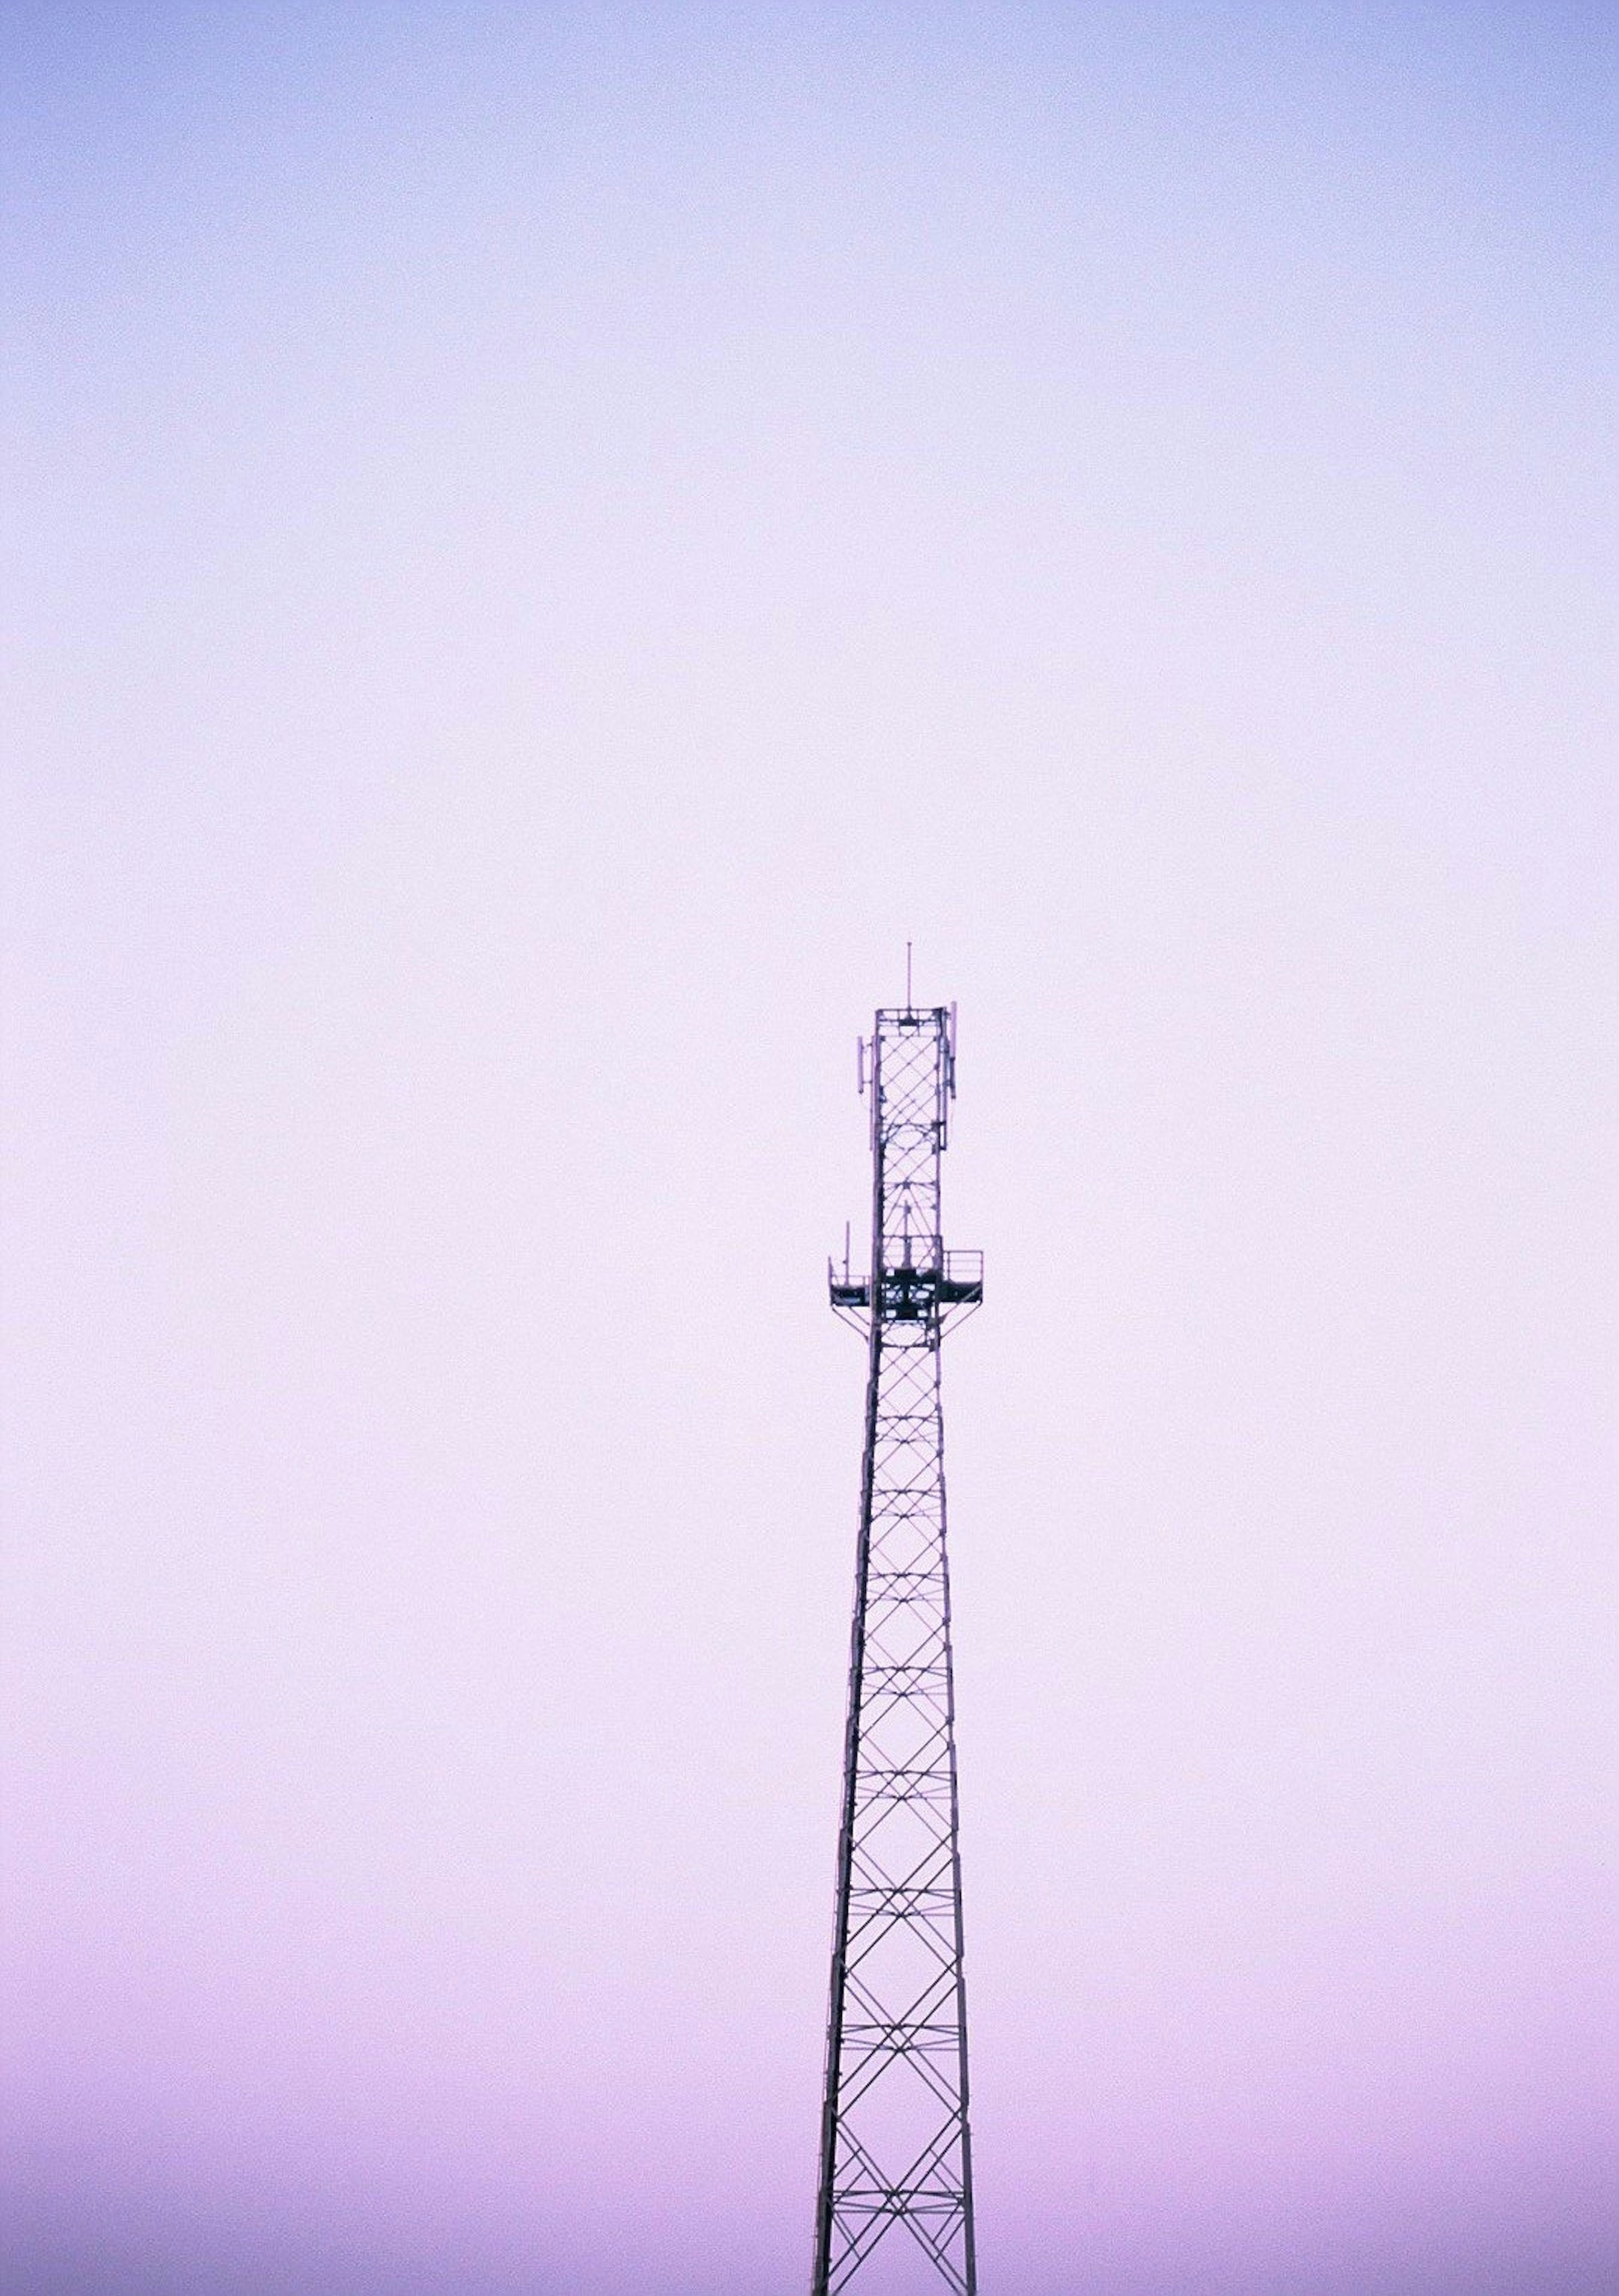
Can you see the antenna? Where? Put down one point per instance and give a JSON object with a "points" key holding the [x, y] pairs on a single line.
{"points": [[907, 976]]}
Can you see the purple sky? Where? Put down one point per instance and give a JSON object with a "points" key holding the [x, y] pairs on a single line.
{"points": [[550, 541]]}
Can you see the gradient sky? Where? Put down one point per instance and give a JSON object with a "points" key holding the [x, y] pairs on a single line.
{"points": [[547, 542]]}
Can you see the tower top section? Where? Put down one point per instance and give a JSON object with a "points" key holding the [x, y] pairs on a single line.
{"points": [[908, 1070]]}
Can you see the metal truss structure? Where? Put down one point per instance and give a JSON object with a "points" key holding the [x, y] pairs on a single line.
{"points": [[895, 2210]]}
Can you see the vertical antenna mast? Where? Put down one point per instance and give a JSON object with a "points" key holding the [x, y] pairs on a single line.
{"points": [[896, 2190]]}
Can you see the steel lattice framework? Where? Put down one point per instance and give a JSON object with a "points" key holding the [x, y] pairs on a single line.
{"points": [[895, 2155]]}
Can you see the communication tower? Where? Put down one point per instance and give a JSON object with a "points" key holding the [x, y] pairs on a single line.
{"points": [[895, 2210]]}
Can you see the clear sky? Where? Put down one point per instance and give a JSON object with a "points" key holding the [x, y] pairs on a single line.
{"points": [[546, 542]]}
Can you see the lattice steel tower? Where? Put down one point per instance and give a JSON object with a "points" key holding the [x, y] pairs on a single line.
{"points": [[895, 2211]]}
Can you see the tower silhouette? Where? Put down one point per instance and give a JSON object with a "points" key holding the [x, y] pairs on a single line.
{"points": [[895, 2210]]}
